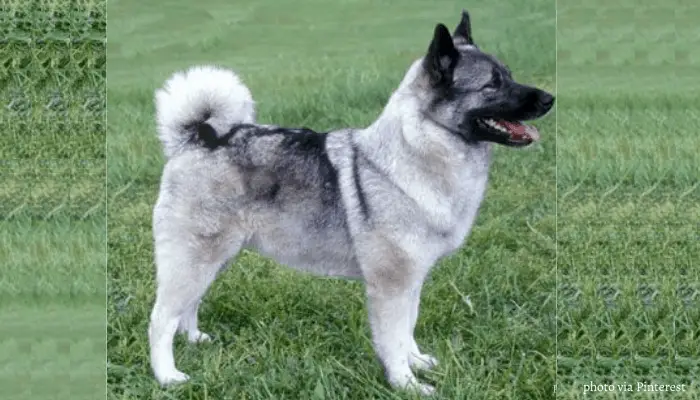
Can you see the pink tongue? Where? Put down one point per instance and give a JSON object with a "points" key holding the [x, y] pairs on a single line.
{"points": [[514, 128], [520, 131]]}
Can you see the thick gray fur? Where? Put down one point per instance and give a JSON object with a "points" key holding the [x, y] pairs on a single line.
{"points": [[382, 204]]}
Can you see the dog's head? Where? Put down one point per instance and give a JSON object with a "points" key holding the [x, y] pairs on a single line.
{"points": [[475, 95]]}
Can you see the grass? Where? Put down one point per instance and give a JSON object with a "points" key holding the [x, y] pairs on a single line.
{"points": [[628, 198], [52, 203], [283, 334]]}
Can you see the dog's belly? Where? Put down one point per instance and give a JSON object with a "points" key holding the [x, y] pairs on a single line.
{"points": [[328, 252]]}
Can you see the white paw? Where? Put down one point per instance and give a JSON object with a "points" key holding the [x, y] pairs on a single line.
{"points": [[411, 384], [421, 388], [422, 361], [198, 337], [173, 378], [425, 389]]}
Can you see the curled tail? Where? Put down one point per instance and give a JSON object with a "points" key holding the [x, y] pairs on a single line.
{"points": [[200, 94]]}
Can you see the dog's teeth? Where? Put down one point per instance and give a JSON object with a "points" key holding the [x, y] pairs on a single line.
{"points": [[494, 124]]}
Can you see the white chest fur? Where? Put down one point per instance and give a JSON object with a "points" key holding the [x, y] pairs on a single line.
{"points": [[455, 213]]}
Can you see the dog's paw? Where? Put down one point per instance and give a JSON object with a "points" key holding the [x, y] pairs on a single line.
{"points": [[422, 361], [173, 378], [412, 385], [422, 389], [425, 389], [198, 337]]}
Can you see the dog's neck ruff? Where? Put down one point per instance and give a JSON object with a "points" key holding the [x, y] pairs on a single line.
{"points": [[463, 136], [405, 97]]}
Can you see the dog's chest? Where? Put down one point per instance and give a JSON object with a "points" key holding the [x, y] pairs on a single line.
{"points": [[470, 207], [456, 217]]}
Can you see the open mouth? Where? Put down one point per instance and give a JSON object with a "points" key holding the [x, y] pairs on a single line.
{"points": [[516, 132]]}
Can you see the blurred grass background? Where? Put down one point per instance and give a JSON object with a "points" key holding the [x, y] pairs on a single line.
{"points": [[52, 200]]}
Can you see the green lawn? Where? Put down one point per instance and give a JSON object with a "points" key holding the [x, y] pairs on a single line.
{"points": [[52, 200], [628, 202], [280, 334]]}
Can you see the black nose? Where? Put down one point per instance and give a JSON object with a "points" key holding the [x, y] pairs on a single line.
{"points": [[546, 100]]}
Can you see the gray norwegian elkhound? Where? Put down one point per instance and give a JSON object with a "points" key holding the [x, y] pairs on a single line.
{"points": [[381, 204]]}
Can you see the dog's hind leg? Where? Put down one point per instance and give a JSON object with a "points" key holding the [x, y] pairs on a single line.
{"points": [[185, 272], [177, 297]]}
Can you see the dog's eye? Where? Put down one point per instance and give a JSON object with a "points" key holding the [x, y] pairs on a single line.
{"points": [[495, 82]]}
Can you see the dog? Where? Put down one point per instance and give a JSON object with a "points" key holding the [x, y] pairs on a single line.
{"points": [[381, 204]]}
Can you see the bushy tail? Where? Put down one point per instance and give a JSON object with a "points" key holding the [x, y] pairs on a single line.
{"points": [[200, 94]]}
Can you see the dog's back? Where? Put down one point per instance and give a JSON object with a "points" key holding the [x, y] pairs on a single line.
{"points": [[274, 187]]}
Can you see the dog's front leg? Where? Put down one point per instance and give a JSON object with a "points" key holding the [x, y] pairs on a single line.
{"points": [[390, 316], [416, 359]]}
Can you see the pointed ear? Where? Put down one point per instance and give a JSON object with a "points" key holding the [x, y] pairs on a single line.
{"points": [[442, 56], [464, 29]]}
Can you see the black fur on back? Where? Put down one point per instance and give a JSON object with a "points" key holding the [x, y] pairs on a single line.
{"points": [[295, 165]]}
